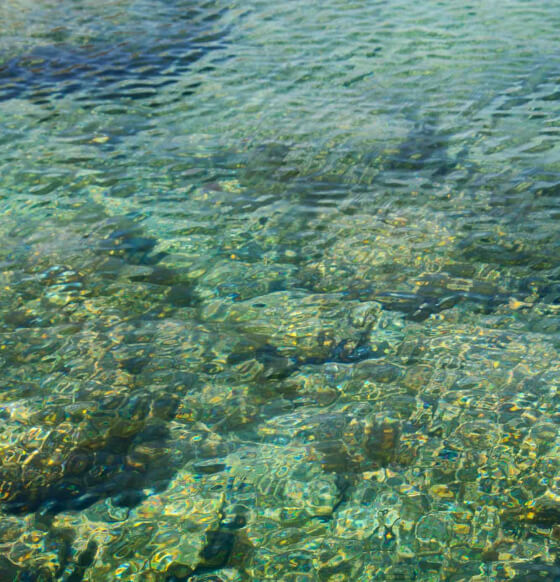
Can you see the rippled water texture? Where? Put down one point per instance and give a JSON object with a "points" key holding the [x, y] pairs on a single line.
{"points": [[280, 291]]}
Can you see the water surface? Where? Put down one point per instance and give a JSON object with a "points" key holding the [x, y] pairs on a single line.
{"points": [[280, 291]]}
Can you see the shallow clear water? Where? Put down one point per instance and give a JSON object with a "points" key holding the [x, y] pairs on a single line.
{"points": [[280, 290]]}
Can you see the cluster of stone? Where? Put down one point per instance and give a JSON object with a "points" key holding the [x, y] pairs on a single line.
{"points": [[281, 420]]}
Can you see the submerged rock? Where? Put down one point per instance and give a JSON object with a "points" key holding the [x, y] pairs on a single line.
{"points": [[348, 438], [299, 325], [166, 535]]}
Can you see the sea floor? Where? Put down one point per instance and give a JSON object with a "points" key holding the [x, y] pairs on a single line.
{"points": [[279, 291]]}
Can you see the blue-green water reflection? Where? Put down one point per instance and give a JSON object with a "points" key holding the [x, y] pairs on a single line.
{"points": [[280, 291]]}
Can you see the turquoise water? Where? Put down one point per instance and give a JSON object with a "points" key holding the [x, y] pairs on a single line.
{"points": [[280, 291]]}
